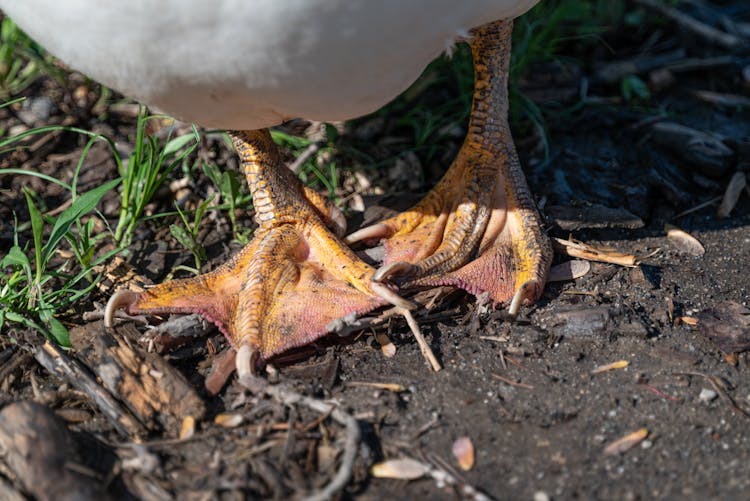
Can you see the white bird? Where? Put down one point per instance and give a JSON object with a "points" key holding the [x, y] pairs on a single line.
{"points": [[245, 65]]}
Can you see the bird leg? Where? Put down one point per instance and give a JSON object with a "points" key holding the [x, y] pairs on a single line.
{"points": [[478, 228], [289, 285]]}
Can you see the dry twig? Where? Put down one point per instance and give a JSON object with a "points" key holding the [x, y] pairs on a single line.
{"points": [[289, 397], [699, 28]]}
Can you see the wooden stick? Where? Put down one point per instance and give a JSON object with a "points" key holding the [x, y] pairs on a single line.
{"points": [[423, 346], [699, 28]]}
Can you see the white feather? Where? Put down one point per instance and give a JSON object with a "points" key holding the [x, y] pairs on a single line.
{"points": [[247, 64]]}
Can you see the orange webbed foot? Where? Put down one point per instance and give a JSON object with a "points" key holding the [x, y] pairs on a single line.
{"points": [[478, 229], [290, 285]]}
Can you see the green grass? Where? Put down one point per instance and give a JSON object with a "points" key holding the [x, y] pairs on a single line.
{"points": [[38, 287], [146, 170]]}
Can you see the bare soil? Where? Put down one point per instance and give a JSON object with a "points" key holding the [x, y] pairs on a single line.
{"points": [[523, 391]]}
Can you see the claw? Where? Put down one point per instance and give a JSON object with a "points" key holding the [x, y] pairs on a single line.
{"points": [[245, 361], [120, 299], [397, 268], [522, 293], [378, 230]]}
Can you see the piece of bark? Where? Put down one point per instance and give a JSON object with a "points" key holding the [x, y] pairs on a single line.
{"points": [[221, 370], [665, 176], [8, 493], [38, 447], [700, 149], [146, 383], [592, 216], [56, 361]]}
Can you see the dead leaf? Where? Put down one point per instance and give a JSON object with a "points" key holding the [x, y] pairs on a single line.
{"points": [[683, 241], [401, 469], [463, 451], [732, 194], [569, 270], [728, 326], [624, 444]]}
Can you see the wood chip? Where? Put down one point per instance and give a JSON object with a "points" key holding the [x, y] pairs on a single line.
{"points": [[620, 364], [394, 387], [228, 420], [463, 451], [187, 429], [624, 444], [569, 270], [386, 345], [574, 248], [732, 194], [692, 321], [401, 469], [683, 241]]}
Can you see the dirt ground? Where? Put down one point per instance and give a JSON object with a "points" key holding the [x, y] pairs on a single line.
{"points": [[526, 392]]}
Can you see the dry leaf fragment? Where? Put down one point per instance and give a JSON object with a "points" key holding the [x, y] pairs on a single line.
{"points": [[401, 469], [574, 248], [684, 241], [187, 429], [732, 194], [569, 270], [624, 444], [228, 420], [463, 451], [620, 364]]}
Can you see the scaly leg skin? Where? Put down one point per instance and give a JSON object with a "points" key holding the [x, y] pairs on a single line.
{"points": [[289, 285], [478, 228]]}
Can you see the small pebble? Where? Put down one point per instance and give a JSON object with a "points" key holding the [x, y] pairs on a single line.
{"points": [[706, 395], [541, 496]]}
